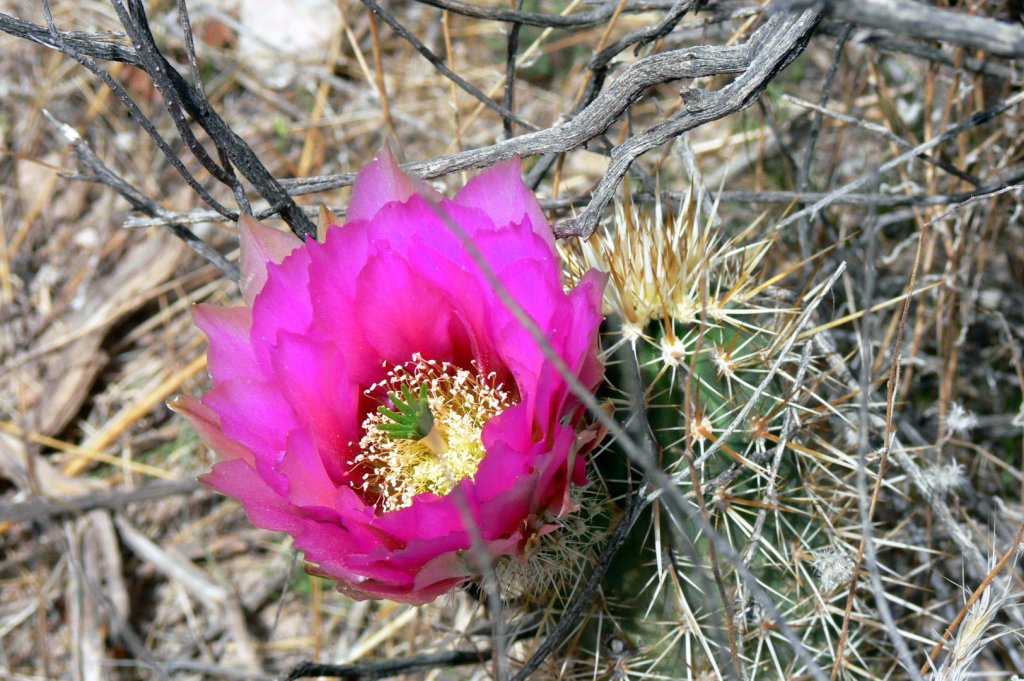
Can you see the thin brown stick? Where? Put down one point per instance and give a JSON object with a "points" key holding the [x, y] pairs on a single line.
{"points": [[452, 89], [893, 377], [378, 67]]}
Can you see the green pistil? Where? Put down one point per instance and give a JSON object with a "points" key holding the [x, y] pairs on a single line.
{"points": [[413, 419]]}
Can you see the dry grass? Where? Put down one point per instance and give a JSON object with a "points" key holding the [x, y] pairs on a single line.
{"points": [[95, 335]]}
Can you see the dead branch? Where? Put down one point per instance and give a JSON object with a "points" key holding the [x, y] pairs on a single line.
{"points": [[915, 19], [40, 509]]}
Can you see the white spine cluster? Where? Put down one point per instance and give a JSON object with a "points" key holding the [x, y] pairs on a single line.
{"points": [[946, 477], [959, 420], [833, 566]]}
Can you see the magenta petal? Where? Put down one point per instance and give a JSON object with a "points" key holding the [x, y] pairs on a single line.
{"points": [[301, 465], [260, 246], [507, 511], [412, 555], [505, 437], [555, 468], [255, 414], [429, 518], [380, 183], [516, 255], [284, 305], [440, 574], [401, 227], [334, 269], [206, 421], [352, 508], [312, 378], [269, 510], [586, 303], [576, 344], [264, 507], [230, 354], [401, 313], [518, 348], [500, 193]]}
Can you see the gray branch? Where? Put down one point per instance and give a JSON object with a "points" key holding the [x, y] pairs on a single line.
{"points": [[915, 19], [772, 47]]}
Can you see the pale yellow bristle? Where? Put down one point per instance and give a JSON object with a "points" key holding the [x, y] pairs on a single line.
{"points": [[664, 266]]}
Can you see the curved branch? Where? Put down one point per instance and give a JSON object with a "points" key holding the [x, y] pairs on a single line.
{"points": [[919, 20], [153, 63], [89, 45], [58, 41], [692, 62], [776, 44], [102, 174], [581, 20], [229, 144], [227, 140]]}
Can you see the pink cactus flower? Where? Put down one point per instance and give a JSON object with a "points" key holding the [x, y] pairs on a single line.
{"points": [[374, 397]]}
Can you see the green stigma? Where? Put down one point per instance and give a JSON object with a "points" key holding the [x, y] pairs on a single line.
{"points": [[411, 419]]}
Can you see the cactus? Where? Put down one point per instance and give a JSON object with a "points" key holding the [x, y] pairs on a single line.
{"points": [[698, 316]]}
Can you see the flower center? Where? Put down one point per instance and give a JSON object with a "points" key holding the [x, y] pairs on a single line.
{"points": [[425, 436]]}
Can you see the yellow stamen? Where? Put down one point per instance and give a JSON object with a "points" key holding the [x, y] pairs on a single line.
{"points": [[462, 401]]}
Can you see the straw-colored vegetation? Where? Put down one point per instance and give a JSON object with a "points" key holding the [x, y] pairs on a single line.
{"points": [[836, 392]]}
